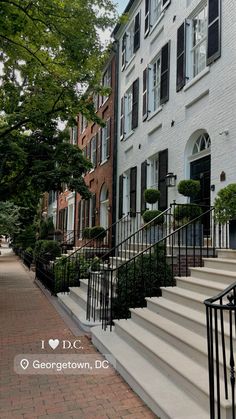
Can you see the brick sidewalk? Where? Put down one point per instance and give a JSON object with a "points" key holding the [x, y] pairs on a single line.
{"points": [[27, 317]]}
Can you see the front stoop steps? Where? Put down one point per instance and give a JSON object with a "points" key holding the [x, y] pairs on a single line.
{"points": [[162, 350]]}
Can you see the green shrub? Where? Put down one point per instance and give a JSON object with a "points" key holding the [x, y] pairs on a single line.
{"points": [[95, 264], [187, 212], [47, 249], [189, 187], [86, 233], [225, 204], [141, 278], [30, 251], [98, 233], [149, 215], [66, 273], [151, 196], [46, 229], [26, 238]]}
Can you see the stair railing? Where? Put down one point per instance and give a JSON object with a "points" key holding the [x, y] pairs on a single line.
{"points": [[221, 343], [76, 266], [173, 252]]}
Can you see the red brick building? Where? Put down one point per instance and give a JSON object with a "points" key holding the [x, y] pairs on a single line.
{"points": [[97, 144]]}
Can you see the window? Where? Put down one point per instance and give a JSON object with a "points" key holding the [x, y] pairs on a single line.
{"points": [[129, 109], [74, 135], [198, 42], [153, 11], [203, 143], [106, 82], [130, 41], [83, 123], [156, 82], [105, 142], [94, 151]]}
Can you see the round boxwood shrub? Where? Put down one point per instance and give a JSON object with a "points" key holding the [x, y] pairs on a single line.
{"points": [[151, 196], [86, 233], [150, 215], [47, 249], [225, 204], [189, 187], [187, 212], [98, 233]]}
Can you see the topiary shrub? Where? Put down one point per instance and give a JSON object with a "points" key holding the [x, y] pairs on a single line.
{"points": [[95, 264], [98, 233], [141, 278], [86, 233], [151, 196], [150, 215], [225, 204], [189, 187], [187, 212], [47, 249]]}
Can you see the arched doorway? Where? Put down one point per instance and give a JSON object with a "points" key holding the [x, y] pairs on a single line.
{"points": [[104, 204], [199, 167]]}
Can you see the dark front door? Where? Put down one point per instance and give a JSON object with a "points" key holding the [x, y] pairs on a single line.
{"points": [[201, 170]]}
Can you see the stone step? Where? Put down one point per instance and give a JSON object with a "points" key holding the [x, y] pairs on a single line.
{"points": [[188, 374], [201, 286], [157, 390], [185, 297], [176, 335], [220, 264], [76, 312], [226, 253], [79, 296], [217, 275]]}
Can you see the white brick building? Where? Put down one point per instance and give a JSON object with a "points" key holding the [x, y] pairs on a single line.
{"points": [[183, 123]]}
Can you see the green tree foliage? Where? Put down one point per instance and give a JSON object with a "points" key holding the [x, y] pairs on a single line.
{"points": [[50, 52], [9, 218]]}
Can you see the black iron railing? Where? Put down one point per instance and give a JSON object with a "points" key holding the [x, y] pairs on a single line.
{"points": [[68, 240], [77, 264], [44, 272], [221, 338], [148, 260], [27, 259]]}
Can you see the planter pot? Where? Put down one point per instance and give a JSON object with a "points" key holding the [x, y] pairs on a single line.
{"points": [[153, 234], [232, 234], [191, 235]]}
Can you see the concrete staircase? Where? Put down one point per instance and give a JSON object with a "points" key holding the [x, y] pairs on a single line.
{"points": [[161, 351]]}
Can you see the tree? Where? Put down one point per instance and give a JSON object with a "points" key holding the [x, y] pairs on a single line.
{"points": [[50, 52], [9, 218]]}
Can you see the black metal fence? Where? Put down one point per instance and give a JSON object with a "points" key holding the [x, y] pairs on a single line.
{"points": [[150, 258], [221, 338], [44, 272]]}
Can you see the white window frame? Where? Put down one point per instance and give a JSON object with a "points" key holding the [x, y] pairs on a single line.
{"points": [[126, 193], [193, 47], [105, 141], [74, 135], [128, 110], [154, 88], [153, 177], [93, 151], [156, 11], [129, 46]]}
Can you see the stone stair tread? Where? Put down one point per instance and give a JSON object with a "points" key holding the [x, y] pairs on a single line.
{"points": [[203, 282], [189, 337], [76, 312], [147, 380], [192, 295], [214, 271], [229, 261], [78, 291], [183, 365]]}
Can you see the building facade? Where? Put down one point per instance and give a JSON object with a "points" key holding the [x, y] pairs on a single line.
{"points": [[176, 95], [97, 143]]}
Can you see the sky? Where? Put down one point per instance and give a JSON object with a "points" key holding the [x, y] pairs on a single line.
{"points": [[121, 5]]}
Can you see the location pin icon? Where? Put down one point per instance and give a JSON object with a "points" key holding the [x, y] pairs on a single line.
{"points": [[24, 363]]}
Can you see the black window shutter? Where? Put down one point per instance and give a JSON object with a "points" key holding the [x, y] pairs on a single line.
{"points": [[123, 51], [98, 147], [83, 214], [143, 184], [147, 18], [79, 219], [163, 170], [165, 73], [135, 104], [87, 213], [136, 33], [180, 79], [93, 210], [214, 31], [66, 218], [121, 188], [122, 118], [145, 93], [101, 140], [133, 191]]}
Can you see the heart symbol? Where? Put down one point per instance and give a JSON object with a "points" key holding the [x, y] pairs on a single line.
{"points": [[53, 343]]}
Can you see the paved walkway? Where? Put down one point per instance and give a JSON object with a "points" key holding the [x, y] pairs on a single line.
{"points": [[27, 317]]}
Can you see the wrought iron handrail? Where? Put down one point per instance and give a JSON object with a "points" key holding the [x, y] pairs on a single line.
{"points": [[156, 265], [221, 318]]}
